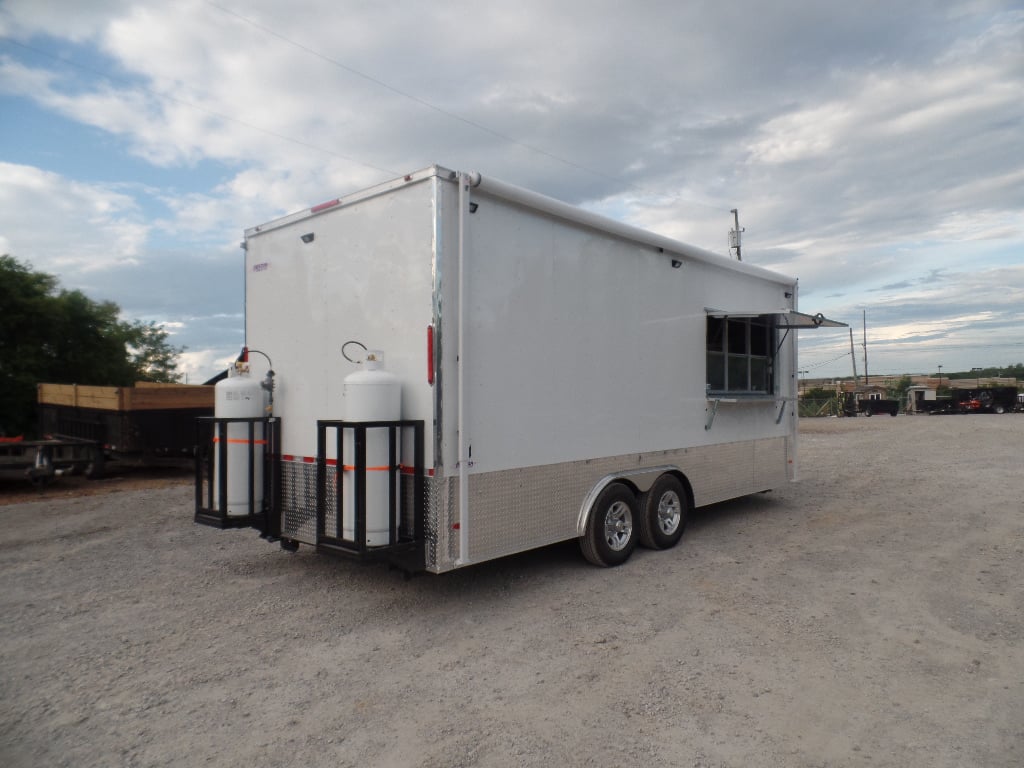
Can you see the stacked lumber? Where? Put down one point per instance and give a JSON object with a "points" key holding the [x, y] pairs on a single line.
{"points": [[144, 396]]}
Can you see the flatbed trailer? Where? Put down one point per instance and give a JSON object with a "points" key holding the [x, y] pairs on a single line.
{"points": [[39, 461], [563, 376], [985, 400], [853, 405], [939, 405], [1001, 399], [147, 423]]}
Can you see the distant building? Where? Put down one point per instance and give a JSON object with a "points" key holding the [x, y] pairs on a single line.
{"points": [[917, 395]]}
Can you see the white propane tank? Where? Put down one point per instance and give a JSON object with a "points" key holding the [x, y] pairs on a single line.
{"points": [[371, 394], [239, 396]]}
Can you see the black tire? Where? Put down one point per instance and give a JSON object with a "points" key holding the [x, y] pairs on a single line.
{"points": [[867, 412], [999, 409], [612, 532], [94, 469], [663, 513]]}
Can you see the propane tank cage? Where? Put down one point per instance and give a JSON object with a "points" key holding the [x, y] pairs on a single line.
{"points": [[213, 431], [405, 547]]}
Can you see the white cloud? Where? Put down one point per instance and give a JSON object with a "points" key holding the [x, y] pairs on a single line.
{"points": [[63, 225], [73, 20], [803, 135], [199, 365], [980, 225], [863, 146]]}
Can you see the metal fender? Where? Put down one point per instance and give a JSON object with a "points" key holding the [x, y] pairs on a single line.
{"points": [[641, 479]]}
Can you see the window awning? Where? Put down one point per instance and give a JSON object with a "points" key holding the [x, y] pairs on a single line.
{"points": [[784, 318]]}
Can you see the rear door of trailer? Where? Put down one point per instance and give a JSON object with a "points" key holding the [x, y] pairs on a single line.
{"points": [[362, 270]]}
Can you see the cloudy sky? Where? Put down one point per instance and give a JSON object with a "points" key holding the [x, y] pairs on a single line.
{"points": [[875, 150]]}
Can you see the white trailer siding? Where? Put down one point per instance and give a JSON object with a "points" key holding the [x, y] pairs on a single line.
{"points": [[581, 345], [366, 275], [583, 355]]}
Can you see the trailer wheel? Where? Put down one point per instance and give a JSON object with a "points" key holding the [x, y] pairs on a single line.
{"points": [[94, 469], [611, 530], [663, 512]]}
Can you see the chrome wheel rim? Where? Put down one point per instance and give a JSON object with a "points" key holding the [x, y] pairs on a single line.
{"points": [[670, 512], [618, 526]]}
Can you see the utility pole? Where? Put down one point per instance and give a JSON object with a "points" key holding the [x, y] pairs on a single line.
{"points": [[866, 348], [734, 234], [853, 359]]}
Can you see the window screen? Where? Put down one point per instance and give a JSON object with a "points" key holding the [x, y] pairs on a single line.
{"points": [[740, 355]]}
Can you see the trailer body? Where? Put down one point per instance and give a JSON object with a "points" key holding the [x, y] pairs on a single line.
{"points": [[1001, 399], [869, 404], [550, 354]]}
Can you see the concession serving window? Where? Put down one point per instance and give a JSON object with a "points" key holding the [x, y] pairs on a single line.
{"points": [[742, 348]]}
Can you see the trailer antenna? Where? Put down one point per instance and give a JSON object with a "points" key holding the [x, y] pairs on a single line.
{"points": [[734, 234]]}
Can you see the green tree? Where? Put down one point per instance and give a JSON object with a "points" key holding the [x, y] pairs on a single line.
{"points": [[898, 391], [818, 401], [88, 342], [25, 325], [64, 337], [151, 357]]}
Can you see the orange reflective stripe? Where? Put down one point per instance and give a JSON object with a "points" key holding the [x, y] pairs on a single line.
{"points": [[351, 468], [241, 440]]}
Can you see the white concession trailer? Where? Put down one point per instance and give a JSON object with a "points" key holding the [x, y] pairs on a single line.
{"points": [[448, 369]]}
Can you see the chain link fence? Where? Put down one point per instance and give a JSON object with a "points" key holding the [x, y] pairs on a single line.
{"points": [[827, 406]]}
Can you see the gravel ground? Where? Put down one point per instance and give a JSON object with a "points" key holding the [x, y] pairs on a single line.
{"points": [[870, 615]]}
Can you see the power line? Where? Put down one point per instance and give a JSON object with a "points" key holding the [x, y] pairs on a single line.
{"points": [[819, 365], [404, 94], [369, 78], [447, 113]]}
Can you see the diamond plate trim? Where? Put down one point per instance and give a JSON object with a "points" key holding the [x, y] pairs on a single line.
{"points": [[520, 509], [298, 505], [298, 501], [516, 510]]}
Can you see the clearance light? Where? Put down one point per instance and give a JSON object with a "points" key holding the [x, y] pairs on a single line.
{"points": [[324, 206], [430, 355]]}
